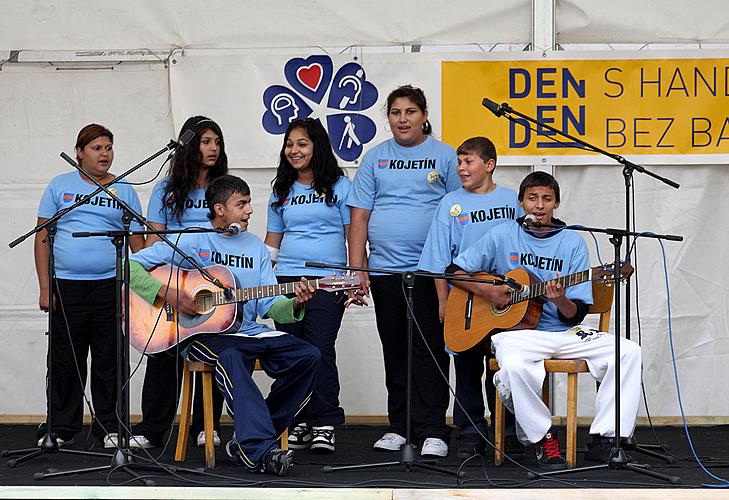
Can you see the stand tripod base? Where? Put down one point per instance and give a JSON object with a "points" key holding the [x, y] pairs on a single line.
{"points": [[407, 460], [631, 444], [618, 460]]}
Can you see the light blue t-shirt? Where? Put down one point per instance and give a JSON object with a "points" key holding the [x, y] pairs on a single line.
{"points": [[402, 186], [195, 213], [244, 254], [312, 230], [90, 258], [461, 219], [508, 246]]}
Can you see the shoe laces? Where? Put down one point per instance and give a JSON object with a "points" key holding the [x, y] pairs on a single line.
{"points": [[322, 431], [550, 445]]}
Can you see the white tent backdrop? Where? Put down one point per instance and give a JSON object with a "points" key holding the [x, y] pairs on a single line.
{"points": [[144, 102]]}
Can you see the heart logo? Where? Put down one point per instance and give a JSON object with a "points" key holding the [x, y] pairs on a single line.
{"points": [[310, 76]]}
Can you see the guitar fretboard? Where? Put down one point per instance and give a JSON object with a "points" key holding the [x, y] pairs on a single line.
{"points": [[206, 301], [539, 289]]}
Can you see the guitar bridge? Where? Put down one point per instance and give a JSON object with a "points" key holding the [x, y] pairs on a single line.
{"points": [[469, 311], [170, 313]]}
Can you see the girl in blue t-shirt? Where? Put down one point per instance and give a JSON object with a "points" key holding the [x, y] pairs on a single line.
{"points": [[308, 220], [84, 298], [178, 202], [394, 195]]}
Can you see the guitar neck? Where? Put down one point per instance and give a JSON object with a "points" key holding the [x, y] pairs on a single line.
{"points": [[260, 292], [539, 289]]}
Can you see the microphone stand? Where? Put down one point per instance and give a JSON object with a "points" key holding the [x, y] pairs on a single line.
{"points": [[49, 444], [123, 457], [618, 458], [407, 452], [628, 169]]}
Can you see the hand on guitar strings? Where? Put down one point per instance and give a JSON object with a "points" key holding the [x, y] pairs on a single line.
{"points": [[554, 289], [498, 295], [178, 299], [303, 292]]}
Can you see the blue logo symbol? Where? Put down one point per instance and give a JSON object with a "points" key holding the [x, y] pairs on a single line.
{"points": [[309, 81]]}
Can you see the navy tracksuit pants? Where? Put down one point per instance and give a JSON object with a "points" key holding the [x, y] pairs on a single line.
{"points": [[259, 422]]}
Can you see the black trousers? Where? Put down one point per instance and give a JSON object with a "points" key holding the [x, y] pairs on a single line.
{"points": [[319, 328], [89, 308], [430, 389]]}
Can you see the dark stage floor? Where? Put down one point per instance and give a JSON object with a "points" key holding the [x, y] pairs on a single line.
{"points": [[354, 446]]}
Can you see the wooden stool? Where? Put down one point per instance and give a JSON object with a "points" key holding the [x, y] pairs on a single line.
{"points": [[207, 372], [569, 366]]}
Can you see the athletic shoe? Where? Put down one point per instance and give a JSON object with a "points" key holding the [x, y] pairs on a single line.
{"points": [[547, 452], [300, 437], [111, 440], [322, 439], [600, 449], [471, 444], [201, 439], [391, 441], [140, 442], [514, 448], [277, 461], [434, 447], [59, 441]]}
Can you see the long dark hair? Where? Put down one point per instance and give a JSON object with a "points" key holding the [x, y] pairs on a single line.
{"points": [[417, 96], [185, 165], [323, 163]]}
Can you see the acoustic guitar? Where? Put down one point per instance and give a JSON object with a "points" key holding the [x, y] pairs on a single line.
{"points": [[154, 328], [470, 319]]}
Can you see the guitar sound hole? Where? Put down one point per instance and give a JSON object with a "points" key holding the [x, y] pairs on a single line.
{"points": [[499, 311], [204, 301]]}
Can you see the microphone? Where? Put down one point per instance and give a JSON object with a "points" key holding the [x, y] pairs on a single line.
{"points": [[496, 109], [186, 137], [530, 220], [234, 228]]}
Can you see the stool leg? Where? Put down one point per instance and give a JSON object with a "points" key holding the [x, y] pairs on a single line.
{"points": [[499, 430], [571, 420], [284, 439], [185, 411], [208, 419]]}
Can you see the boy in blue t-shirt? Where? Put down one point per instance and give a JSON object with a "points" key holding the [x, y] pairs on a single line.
{"points": [[293, 363], [548, 254], [463, 216]]}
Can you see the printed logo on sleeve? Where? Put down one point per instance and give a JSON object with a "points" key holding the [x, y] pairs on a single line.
{"points": [[67, 197]]}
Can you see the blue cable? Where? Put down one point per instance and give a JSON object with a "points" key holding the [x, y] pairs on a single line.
{"points": [[675, 370]]}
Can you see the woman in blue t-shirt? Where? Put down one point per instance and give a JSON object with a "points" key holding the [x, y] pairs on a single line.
{"points": [[308, 220], [178, 202], [394, 196], [84, 297]]}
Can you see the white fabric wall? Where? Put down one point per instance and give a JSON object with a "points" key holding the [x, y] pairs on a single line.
{"points": [[43, 109]]}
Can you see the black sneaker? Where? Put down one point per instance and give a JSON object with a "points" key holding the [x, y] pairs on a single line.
{"points": [[300, 437], [548, 454], [277, 461], [513, 447], [600, 449], [471, 444], [322, 439]]}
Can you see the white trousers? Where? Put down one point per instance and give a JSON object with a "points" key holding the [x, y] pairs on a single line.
{"points": [[521, 353]]}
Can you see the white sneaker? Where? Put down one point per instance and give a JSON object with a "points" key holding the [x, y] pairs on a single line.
{"points": [[391, 441], [111, 440], [434, 447], [201, 439], [140, 442]]}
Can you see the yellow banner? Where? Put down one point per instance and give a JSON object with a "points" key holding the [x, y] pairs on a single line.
{"points": [[632, 106]]}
